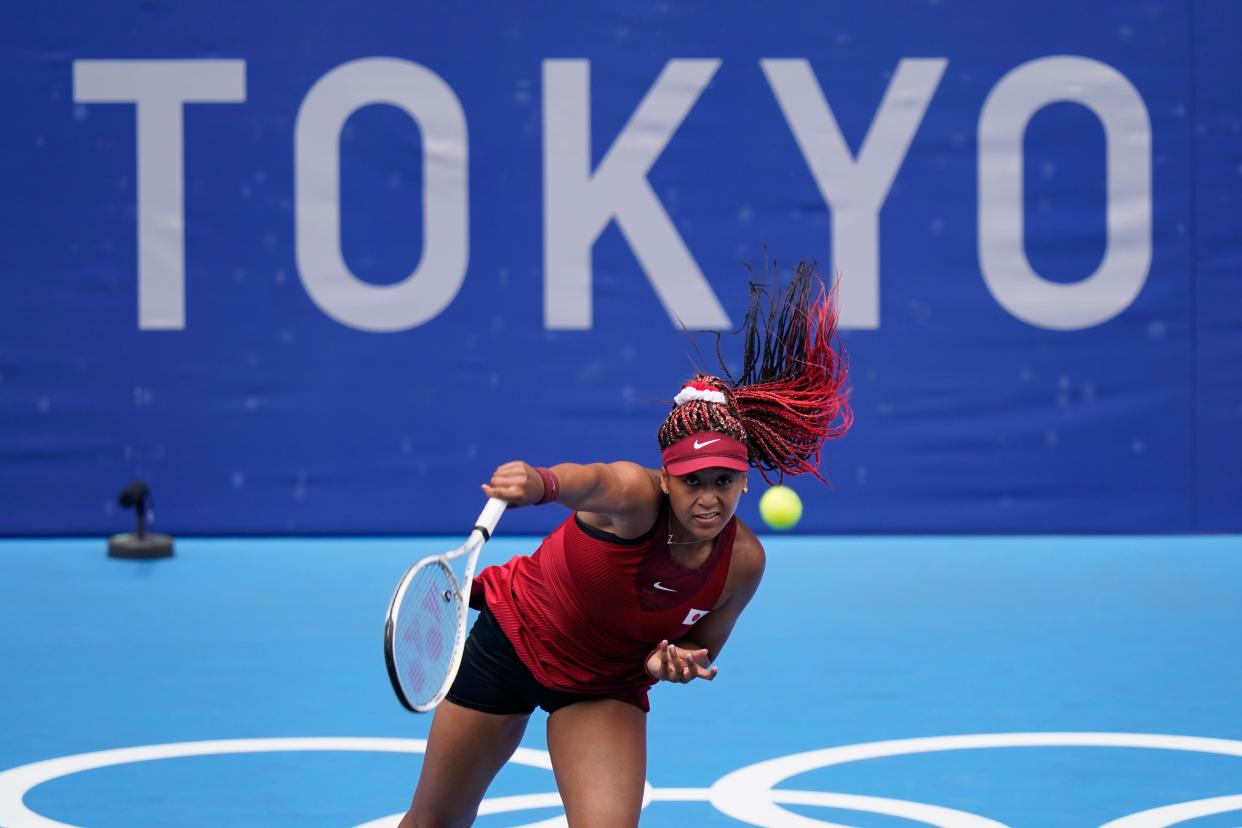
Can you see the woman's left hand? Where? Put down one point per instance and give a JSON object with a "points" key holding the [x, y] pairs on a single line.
{"points": [[672, 663]]}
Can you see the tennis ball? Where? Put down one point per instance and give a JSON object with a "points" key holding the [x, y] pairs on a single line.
{"points": [[780, 507]]}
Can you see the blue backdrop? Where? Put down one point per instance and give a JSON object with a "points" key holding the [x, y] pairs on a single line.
{"points": [[319, 272]]}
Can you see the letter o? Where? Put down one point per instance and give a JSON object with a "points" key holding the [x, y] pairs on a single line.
{"points": [[435, 281], [1127, 256]]}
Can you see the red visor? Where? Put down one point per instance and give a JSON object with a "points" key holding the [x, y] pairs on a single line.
{"points": [[705, 450]]}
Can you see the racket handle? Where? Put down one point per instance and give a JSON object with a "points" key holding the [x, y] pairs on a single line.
{"points": [[490, 516]]}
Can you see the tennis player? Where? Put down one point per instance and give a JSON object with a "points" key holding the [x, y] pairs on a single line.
{"points": [[642, 583]]}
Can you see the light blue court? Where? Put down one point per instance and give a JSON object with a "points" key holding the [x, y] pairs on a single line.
{"points": [[973, 682]]}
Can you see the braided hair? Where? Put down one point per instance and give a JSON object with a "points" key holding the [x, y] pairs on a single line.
{"points": [[791, 394]]}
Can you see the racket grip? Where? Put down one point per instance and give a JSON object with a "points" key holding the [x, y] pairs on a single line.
{"points": [[490, 516]]}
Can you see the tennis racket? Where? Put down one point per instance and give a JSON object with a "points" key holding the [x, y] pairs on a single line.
{"points": [[425, 633]]}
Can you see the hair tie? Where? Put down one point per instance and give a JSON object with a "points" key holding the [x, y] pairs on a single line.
{"points": [[698, 390]]}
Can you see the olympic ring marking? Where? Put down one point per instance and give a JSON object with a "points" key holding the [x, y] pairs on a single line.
{"points": [[15, 782], [738, 794], [741, 794], [1181, 812], [945, 817]]}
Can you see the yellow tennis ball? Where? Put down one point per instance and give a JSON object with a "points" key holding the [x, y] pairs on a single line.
{"points": [[780, 507]]}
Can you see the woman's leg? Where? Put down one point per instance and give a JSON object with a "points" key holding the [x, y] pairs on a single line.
{"points": [[465, 751], [599, 756]]}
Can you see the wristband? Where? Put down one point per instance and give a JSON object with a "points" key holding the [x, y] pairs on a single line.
{"points": [[551, 486]]}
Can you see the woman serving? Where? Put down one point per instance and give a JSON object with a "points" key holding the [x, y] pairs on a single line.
{"points": [[642, 583]]}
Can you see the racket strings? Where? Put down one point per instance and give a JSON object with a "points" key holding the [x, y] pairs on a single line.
{"points": [[426, 625]]}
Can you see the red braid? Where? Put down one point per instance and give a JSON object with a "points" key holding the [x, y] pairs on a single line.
{"points": [[789, 416], [792, 393]]}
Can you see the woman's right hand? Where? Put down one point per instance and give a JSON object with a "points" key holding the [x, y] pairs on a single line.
{"points": [[516, 483], [679, 665]]}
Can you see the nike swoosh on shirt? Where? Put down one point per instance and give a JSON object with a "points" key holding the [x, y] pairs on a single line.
{"points": [[699, 445], [663, 588]]}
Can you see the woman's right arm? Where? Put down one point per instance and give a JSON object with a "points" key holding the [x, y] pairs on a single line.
{"points": [[624, 495]]}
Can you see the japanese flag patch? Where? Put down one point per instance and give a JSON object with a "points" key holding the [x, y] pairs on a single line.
{"points": [[694, 615]]}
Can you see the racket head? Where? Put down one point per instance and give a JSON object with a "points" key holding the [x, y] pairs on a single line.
{"points": [[426, 632]]}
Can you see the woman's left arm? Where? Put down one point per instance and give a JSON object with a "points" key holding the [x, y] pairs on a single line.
{"points": [[691, 657]]}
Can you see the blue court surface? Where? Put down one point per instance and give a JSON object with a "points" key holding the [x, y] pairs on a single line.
{"points": [[979, 681]]}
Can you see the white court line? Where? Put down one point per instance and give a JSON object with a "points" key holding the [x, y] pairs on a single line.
{"points": [[1181, 812], [747, 794], [15, 782]]}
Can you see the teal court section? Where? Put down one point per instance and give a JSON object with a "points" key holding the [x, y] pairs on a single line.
{"points": [[976, 681]]}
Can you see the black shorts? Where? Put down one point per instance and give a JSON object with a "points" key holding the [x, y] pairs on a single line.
{"points": [[492, 678]]}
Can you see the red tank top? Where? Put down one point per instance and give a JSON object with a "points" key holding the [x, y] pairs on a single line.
{"points": [[586, 609]]}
